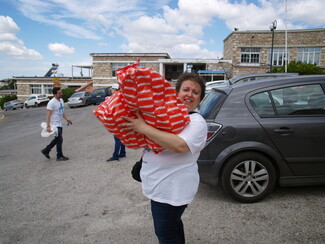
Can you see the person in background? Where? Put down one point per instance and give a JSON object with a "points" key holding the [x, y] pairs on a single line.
{"points": [[54, 115], [170, 179], [119, 150]]}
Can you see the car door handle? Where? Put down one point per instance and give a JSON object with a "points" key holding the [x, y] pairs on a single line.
{"points": [[283, 131]]}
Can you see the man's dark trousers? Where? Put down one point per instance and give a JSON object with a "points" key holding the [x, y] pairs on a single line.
{"points": [[58, 140]]}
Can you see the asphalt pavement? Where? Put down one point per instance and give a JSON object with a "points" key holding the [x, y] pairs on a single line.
{"points": [[88, 200]]}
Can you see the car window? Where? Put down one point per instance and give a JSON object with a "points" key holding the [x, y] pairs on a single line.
{"points": [[79, 94], [99, 92], [262, 104], [211, 104], [290, 101], [300, 100]]}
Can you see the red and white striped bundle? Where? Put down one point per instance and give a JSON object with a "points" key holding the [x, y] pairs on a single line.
{"points": [[146, 91]]}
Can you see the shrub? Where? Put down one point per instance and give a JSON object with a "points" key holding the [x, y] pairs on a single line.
{"points": [[66, 93], [6, 98], [300, 68]]}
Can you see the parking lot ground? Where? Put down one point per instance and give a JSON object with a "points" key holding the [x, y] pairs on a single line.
{"points": [[88, 200]]}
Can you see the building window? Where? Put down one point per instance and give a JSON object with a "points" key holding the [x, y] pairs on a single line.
{"points": [[250, 55], [48, 89], [36, 89], [279, 56], [309, 55], [117, 66]]}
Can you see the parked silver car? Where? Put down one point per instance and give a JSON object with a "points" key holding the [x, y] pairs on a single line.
{"points": [[12, 105], [79, 99]]}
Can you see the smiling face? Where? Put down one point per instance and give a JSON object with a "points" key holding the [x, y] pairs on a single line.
{"points": [[190, 93]]}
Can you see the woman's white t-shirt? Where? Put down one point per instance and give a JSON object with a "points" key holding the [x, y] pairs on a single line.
{"points": [[173, 178]]}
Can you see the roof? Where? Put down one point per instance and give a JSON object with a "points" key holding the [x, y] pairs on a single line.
{"points": [[165, 55]]}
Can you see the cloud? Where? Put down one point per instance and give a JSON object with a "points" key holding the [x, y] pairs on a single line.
{"points": [[60, 49], [10, 45], [177, 28]]}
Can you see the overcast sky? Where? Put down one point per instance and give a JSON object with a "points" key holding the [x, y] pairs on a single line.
{"points": [[36, 33]]}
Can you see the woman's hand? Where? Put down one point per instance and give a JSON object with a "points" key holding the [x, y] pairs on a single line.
{"points": [[166, 140], [137, 125]]}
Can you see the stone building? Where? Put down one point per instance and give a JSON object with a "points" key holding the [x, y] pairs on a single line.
{"points": [[27, 86], [105, 65], [250, 51]]}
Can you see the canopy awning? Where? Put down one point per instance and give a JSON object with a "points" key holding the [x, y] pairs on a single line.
{"points": [[213, 73]]}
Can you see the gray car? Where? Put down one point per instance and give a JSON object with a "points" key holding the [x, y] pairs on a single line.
{"points": [[264, 133], [13, 105], [79, 99]]}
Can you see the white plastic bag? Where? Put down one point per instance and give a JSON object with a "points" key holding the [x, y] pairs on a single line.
{"points": [[45, 133]]}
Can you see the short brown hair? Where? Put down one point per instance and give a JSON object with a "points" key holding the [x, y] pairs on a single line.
{"points": [[193, 77], [55, 90]]}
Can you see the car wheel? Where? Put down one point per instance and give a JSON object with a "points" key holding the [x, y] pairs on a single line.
{"points": [[36, 104], [26, 106], [248, 177]]}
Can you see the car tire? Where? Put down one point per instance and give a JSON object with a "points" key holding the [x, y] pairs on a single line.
{"points": [[248, 177], [26, 106], [36, 104]]}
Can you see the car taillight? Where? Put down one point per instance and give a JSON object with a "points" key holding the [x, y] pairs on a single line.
{"points": [[213, 129], [81, 99]]}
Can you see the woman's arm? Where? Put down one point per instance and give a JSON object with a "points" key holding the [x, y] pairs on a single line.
{"points": [[167, 140]]}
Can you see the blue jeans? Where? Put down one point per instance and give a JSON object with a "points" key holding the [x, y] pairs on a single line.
{"points": [[119, 150], [58, 140], [168, 223]]}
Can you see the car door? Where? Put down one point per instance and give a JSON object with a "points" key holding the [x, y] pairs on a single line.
{"points": [[295, 125], [88, 98], [30, 101]]}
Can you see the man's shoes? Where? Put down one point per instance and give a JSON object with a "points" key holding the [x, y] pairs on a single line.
{"points": [[46, 154], [112, 159], [62, 158]]}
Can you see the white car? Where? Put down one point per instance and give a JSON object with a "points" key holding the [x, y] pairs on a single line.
{"points": [[212, 84], [36, 100]]}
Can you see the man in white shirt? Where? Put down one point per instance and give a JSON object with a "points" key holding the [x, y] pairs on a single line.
{"points": [[54, 115]]}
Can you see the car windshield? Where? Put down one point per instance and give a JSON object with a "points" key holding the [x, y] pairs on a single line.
{"points": [[79, 94], [99, 92], [212, 103]]}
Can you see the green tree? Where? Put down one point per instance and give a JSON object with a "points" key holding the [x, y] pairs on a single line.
{"points": [[66, 93], [9, 84], [300, 68]]}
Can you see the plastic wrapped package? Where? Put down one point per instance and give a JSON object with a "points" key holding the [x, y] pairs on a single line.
{"points": [[145, 90]]}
